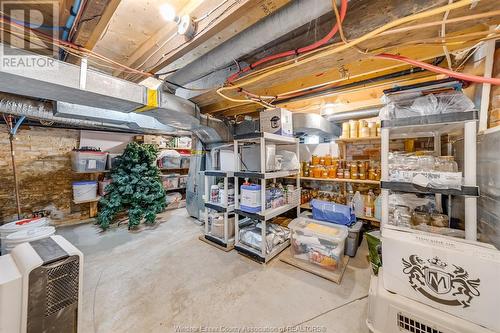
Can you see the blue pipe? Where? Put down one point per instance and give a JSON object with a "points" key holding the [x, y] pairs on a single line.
{"points": [[13, 131], [69, 24], [71, 19]]}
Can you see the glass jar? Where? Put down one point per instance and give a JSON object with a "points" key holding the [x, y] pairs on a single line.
{"points": [[315, 160], [332, 172], [362, 170], [372, 174], [354, 170], [328, 160], [322, 160], [347, 173], [317, 171], [439, 220], [426, 163], [340, 173], [446, 164], [420, 218], [324, 172]]}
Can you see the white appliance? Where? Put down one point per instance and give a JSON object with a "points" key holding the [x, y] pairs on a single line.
{"points": [[41, 287], [455, 276], [277, 121], [393, 313], [250, 158]]}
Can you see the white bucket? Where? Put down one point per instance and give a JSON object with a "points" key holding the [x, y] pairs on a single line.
{"points": [[84, 190], [27, 235], [23, 224]]}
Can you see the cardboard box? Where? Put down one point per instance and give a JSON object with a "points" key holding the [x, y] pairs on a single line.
{"points": [[450, 274], [276, 121], [157, 140]]}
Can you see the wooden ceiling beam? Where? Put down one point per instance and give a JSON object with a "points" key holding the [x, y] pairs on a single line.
{"points": [[330, 68]]}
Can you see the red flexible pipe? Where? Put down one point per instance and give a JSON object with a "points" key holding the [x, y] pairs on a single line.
{"points": [[436, 69], [304, 49]]}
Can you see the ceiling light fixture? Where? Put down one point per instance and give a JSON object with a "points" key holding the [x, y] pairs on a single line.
{"points": [[186, 26], [168, 13]]}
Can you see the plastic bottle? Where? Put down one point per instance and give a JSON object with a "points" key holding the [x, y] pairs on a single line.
{"points": [[378, 208], [359, 205], [370, 204]]}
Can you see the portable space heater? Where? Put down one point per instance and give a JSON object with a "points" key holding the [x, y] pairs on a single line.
{"points": [[41, 287]]}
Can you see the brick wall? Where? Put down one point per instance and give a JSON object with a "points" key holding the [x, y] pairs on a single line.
{"points": [[44, 170]]}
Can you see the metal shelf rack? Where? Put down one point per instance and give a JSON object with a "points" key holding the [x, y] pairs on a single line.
{"points": [[265, 214], [227, 241], [434, 126]]}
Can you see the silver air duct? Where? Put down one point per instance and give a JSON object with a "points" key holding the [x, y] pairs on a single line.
{"points": [[19, 106], [357, 114], [97, 98]]}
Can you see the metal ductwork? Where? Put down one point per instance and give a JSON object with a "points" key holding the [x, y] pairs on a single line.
{"points": [[21, 106], [357, 114], [97, 98], [311, 124]]}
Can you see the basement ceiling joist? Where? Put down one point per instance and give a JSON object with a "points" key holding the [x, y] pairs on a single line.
{"points": [[360, 20], [153, 50]]}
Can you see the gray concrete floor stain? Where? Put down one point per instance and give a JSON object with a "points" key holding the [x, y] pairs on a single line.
{"points": [[163, 279]]}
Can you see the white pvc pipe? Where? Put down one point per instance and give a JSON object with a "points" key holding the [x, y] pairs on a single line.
{"points": [[470, 146]]}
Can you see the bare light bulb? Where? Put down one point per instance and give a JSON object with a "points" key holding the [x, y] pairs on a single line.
{"points": [[168, 13]]}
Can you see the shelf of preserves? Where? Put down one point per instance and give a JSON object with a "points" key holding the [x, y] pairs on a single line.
{"points": [[343, 180]]}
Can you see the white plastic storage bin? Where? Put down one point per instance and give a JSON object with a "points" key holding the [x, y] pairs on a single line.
{"points": [[19, 225], [217, 225], [27, 235], [170, 181], [88, 161], [318, 243], [170, 159], [112, 160], [250, 198], [185, 161], [85, 190]]}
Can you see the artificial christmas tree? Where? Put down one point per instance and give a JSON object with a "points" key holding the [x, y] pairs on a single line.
{"points": [[136, 187]]}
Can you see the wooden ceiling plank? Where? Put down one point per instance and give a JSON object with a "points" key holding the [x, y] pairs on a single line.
{"points": [[234, 18]]}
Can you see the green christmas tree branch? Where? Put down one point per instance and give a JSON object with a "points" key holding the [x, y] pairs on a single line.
{"points": [[135, 187]]}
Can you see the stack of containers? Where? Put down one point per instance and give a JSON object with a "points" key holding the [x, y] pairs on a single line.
{"points": [[25, 230]]}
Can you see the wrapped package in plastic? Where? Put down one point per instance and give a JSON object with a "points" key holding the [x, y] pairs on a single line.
{"points": [[289, 160], [430, 104], [275, 235], [332, 212]]}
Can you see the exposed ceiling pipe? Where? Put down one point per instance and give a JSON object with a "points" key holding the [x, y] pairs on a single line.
{"points": [[32, 109], [356, 114], [276, 25]]}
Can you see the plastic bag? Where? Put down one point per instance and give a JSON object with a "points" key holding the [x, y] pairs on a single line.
{"points": [[289, 161], [332, 212], [427, 105]]}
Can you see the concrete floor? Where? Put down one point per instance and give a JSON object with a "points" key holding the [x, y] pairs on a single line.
{"points": [[164, 279]]}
